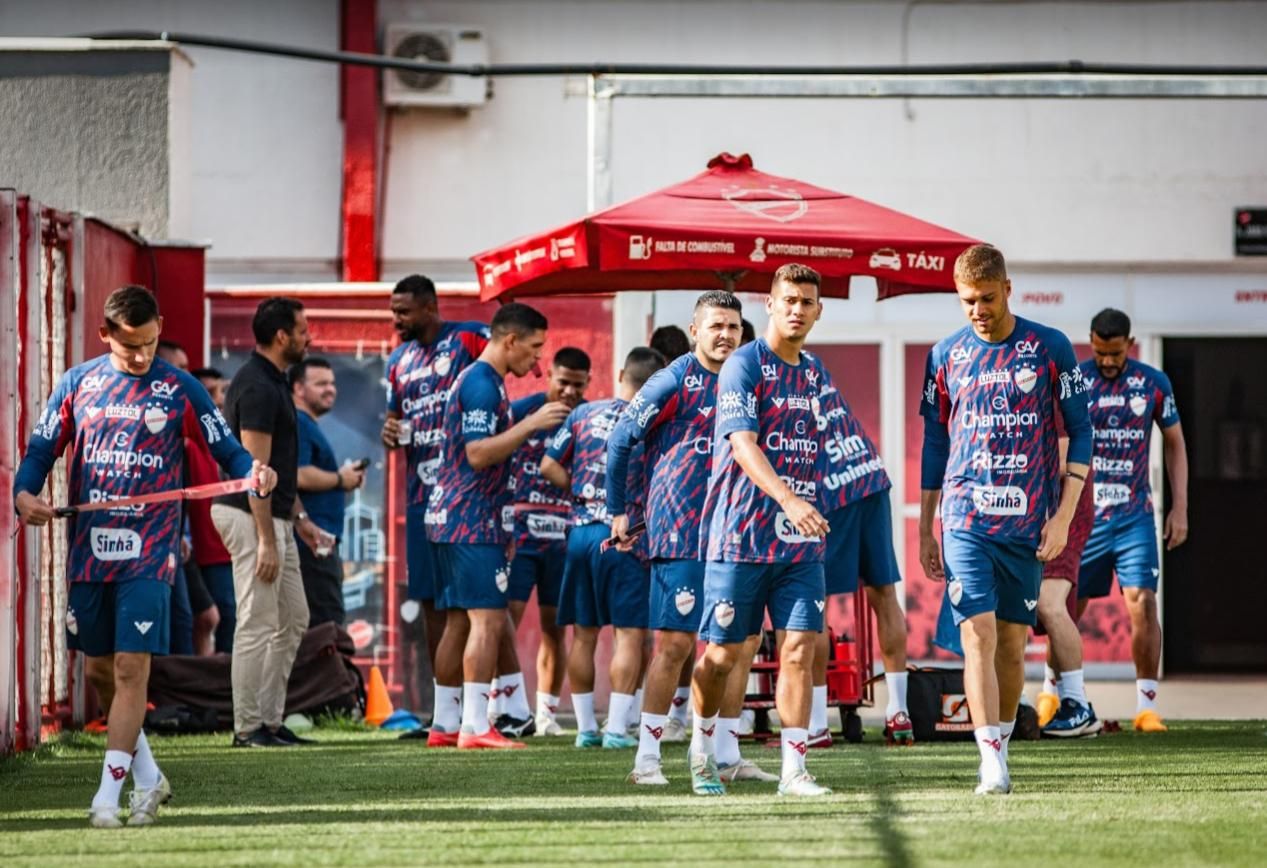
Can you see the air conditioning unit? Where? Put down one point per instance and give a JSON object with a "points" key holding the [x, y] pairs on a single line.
{"points": [[437, 43]]}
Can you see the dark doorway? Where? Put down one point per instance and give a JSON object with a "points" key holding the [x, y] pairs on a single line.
{"points": [[1216, 585]]}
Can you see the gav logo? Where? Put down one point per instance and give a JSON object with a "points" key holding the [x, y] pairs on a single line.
{"points": [[163, 389]]}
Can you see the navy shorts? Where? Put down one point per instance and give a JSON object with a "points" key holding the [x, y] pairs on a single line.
{"points": [[1127, 546], [471, 575], [537, 568], [988, 574], [737, 595], [677, 589], [420, 555], [103, 618], [602, 588], [860, 544]]}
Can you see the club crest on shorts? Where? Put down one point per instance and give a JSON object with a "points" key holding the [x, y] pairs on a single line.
{"points": [[155, 419], [955, 590], [1138, 404], [724, 613], [72, 623], [1026, 379], [684, 600], [502, 578]]}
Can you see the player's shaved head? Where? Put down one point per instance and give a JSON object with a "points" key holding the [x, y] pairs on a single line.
{"points": [[640, 364]]}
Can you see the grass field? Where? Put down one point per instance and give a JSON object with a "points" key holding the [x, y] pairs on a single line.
{"points": [[1197, 795]]}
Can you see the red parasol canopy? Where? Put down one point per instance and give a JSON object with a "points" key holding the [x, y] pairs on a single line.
{"points": [[729, 226]]}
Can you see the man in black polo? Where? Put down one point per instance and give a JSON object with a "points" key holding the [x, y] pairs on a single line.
{"points": [[259, 532]]}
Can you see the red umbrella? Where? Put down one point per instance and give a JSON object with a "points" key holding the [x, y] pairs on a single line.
{"points": [[729, 226]]}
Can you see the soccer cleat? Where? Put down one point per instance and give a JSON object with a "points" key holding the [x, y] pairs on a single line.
{"points": [[649, 776], [618, 741], [674, 730], [144, 803], [802, 783], [819, 739], [491, 740], [261, 737], [589, 739], [1075, 719], [744, 770], [898, 729], [515, 727], [705, 781], [440, 738], [1149, 720], [105, 817], [547, 725], [1048, 707], [997, 787]]}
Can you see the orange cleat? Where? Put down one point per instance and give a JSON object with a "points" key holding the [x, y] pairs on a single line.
{"points": [[1048, 705], [98, 725], [1149, 721], [438, 738], [491, 740]]}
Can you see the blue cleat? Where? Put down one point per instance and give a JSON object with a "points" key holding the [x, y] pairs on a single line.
{"points": [[589, 739], [705, 781], [618, 741], [1073, 720]]}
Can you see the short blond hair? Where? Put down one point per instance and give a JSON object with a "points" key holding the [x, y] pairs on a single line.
{"points": [[980, 263]]}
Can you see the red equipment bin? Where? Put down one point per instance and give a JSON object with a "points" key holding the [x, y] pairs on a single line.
{"points": [[849, 685]]}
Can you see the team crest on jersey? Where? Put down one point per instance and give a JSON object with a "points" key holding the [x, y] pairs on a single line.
{"points": [[724, 613], [684, 600], [1138, 404], [155, 419], [443, 364], [1026, 379]]}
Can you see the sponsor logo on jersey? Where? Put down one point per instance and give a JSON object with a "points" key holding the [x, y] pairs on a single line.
{"points": [[163, 389], [693, 382], [1135, 382], [840, 478], [930, 393], [1168, 408], [115, 544], [1118, 435], [478, 422], [94, 383], [776, 441], [985, 378], [123, 458], [552, 527], [1017, 462], [428, 471], [702, 445], [786, 532], [1006, 421], [1027, 348], [48, 424], [1111, 401], [959, 355], [1113, 466], [841, 448], [705, 411], [1109, 494], [1000, 500], [119, 411], [769, 372]]}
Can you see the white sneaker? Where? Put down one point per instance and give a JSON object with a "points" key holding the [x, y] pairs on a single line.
{"points": [[674, 730], [547, 725], [144, 803], [747, 722], [802, 783], [996, 787], [651, 776], [744, 770], [105, 817]]}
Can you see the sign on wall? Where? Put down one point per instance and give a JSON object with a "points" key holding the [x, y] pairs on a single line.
{"points": [[1251, 231]]}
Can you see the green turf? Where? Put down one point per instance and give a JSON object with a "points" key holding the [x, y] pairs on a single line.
{"points": [[1196, 795]]}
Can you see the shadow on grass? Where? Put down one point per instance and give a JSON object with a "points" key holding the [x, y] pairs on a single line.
{"points": [[883, 820]]}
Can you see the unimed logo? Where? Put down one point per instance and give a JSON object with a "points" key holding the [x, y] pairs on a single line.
{"points": [[115, 544]]}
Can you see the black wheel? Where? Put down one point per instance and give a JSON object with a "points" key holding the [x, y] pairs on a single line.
{"points": [[853, 727], [761, 722]]}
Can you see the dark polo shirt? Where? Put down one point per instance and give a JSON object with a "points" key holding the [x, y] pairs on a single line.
{"points": [[259, 400]]}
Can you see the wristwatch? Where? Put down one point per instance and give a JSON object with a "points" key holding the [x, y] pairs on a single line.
{"points": [[303, 516]]}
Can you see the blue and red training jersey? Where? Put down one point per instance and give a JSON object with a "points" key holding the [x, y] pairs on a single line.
{"points": [[541, 510], [468, 505], [995, 406], [759, 392], [672, 417], [126, 435], [1123, 411], [580, 446], [854, 469], [419, 379]]}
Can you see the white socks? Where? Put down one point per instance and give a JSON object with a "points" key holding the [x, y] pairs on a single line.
{"points": [[1072, 686], [795, 745], [475, 707], [496, 707], [1145, 695], [818, 709], [1051, 684], [583, 705], [114, 771], [618, 712], [702, 741], [635, 711], [681, 706], [447, 716], [990, 744], [896, 683], [144, 770], [650, 730], [547, 705], [727, 741], [1005, 737], [514, 698]]}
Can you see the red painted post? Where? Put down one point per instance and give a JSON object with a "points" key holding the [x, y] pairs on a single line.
{"points": [[359, 102]]}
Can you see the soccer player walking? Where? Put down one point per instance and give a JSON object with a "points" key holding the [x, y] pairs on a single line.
{"points": [[991, 394], [1126, 399], [673, 417], [465, 523], [764, 538], [420, 374], [601, 587], [125, 417]]}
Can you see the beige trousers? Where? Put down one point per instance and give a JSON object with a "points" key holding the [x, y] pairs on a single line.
{"points": [[272, 619]]}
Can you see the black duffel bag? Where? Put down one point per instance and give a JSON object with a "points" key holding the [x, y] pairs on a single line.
{"points": [[939, 708]]}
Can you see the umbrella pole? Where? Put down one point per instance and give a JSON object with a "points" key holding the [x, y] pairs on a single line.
{"points": [[730, 278]]}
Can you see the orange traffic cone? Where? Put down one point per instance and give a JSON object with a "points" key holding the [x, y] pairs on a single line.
{"points": [[378, 705]]}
